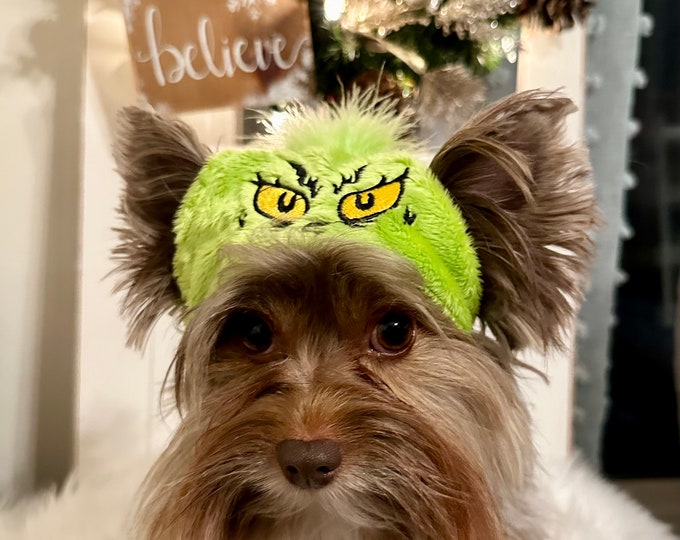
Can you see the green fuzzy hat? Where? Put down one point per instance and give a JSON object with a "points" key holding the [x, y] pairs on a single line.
{"points": [[508, 181], [346, 171]]}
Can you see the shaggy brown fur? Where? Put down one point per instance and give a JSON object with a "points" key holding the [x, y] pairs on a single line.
{"points": [[434, 440], [530, 207], [158, 159]]}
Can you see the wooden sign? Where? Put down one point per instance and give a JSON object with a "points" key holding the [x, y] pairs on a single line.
{"points": [[199, 54]]}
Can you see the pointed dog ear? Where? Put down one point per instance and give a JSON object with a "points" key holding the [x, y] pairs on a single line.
{"points": [[158, 160], [529, 204]]}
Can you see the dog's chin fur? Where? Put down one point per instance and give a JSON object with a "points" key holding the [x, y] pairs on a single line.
{"points": [[435, 441]]}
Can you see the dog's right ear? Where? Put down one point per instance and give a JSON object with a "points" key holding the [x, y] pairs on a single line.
{"points": [[158, 160], [528, 200]]}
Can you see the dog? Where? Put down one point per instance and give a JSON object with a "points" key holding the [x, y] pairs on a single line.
{"points": [[347, 368]]}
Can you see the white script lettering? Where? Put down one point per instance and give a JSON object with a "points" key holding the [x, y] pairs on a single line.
{"points": [[180, 61]]}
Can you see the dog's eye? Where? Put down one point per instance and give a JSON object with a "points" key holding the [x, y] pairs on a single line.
{"points": [[249, 329], [393, 334]]}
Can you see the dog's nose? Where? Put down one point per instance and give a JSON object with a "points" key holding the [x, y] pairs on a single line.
{"points": [[309, 464]]}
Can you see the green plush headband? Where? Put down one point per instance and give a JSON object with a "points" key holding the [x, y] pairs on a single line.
{"points": [[343, 171]]}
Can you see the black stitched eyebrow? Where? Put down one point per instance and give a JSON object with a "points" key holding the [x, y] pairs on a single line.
{"points": [[304, 180], [403, 176], [276, 183], [352, 179], [299, 170], [262, 182]]}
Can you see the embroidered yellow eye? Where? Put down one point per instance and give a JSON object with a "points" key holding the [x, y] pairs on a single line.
{"points": [[280, 203], [369, 203]]}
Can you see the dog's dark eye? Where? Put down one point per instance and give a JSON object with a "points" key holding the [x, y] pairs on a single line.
{"points": [[394, 333], [247, 328]]}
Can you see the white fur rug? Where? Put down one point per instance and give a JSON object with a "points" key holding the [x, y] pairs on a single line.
{"points": [[97, 507]]}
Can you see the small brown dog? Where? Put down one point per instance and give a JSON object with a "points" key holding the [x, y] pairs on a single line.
{"points": [[325, 391]]}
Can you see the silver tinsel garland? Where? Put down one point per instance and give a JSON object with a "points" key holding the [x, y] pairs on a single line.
{"points": [[447, 96], [475, 19]]}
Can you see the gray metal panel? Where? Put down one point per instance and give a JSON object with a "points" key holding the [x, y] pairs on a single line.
{"points": [[614, 31]]}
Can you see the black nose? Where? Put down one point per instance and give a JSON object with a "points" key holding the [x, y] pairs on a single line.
{"points": [[309, 464]]}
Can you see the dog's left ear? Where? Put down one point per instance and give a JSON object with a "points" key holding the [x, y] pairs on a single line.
{"points": [[529, 204], [158, 159]]}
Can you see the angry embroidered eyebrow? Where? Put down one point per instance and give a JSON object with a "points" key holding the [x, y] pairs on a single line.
{"points": [[304, 180], [351, 179]]}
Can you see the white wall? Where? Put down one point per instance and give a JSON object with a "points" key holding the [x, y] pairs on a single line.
{"points": [[119, 387], [115, 383], [41, 51], [554, 61]]}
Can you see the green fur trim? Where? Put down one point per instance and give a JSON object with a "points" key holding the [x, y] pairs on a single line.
{"points": [[347, 172]]}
